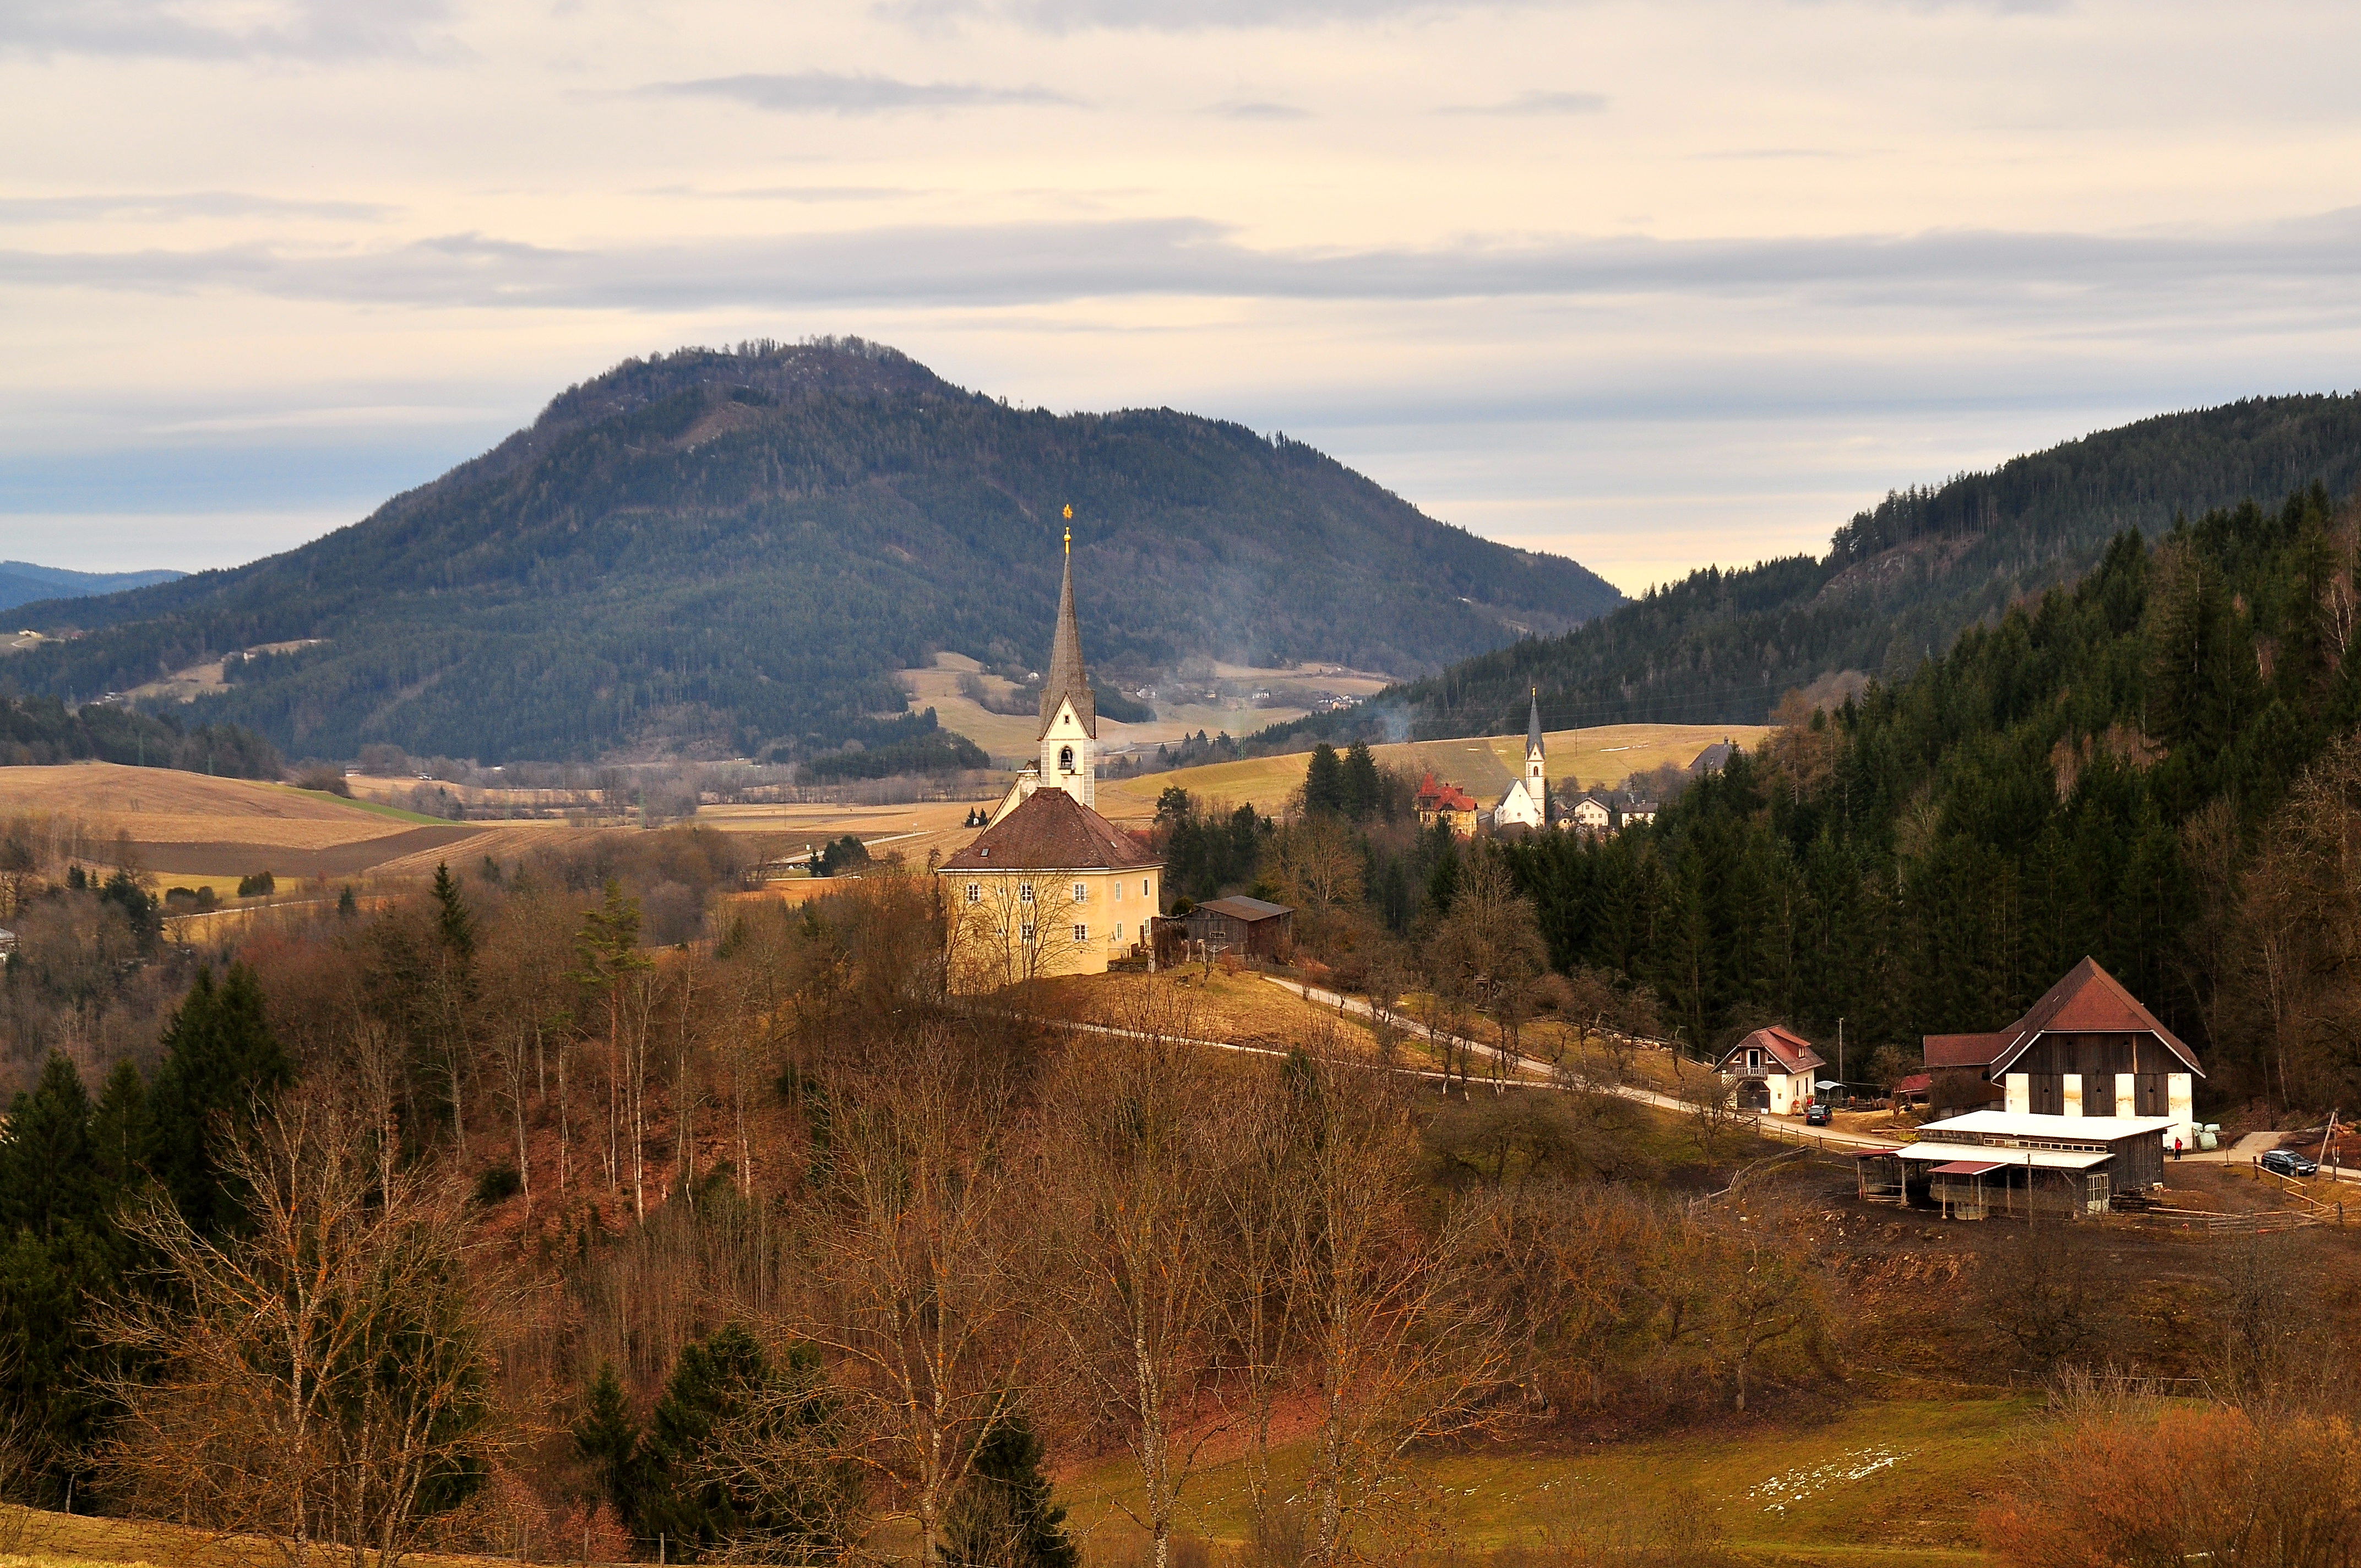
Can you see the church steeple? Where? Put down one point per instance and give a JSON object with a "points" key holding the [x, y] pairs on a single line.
{"points": [[1068, 680], [1535, 765]]}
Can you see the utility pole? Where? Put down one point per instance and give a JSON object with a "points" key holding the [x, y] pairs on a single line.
{"points": [[1841, 1072]]}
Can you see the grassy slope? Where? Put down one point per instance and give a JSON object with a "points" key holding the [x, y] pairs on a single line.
{"points": [[1484, 766], [1880, 1481]]}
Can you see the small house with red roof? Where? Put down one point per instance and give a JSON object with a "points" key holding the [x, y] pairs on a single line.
{"points": [[1772, 1070], [2088, 1049], [1437, 802]]}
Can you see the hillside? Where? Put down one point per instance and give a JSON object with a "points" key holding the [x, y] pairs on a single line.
{"points": [[1899, 584], [23, 583], [731, 551]]}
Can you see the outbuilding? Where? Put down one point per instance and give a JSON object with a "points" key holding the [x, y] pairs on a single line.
{"points": [[2014, 1163], [1250, 925]]}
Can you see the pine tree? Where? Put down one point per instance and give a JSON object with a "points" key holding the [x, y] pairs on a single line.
{"points": [[607, 1437], [1364, 791], [454, 921], [1323, 782], [1003, 1517], [46, 1179], [221, 1062]]}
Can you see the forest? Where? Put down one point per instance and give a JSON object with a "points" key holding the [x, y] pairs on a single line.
{"points": [[726, 552], [1899, 583], [38, 731]]}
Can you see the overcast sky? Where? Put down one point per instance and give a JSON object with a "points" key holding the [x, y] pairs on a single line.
{"points": [[1653, 285]]}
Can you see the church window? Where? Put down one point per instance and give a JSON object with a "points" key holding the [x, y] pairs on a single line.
{"points": [[1081, 933], [1023, 893], [1065, 759], [1118, 892], [975, 893]]}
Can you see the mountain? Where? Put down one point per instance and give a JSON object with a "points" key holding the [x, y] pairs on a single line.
{"points": [[734, 550], [22, 583], [1898, 585]]}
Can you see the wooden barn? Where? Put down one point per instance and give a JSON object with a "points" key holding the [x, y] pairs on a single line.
{"points": [[1241, 924], [2004, 1162]]}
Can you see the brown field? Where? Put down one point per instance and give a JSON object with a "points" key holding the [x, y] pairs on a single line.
{"points": [[911, 831], [1483, 765], [1013, 735], [1242, 1009]]}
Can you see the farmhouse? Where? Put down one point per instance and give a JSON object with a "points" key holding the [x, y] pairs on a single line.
{"points": [[1772, 1070], [1589, 813], [1248, 925], [1051, 887], [1527, 802], [1449, 804], [2086, 1050]]}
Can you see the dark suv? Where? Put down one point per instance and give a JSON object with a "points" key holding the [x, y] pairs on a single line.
{"points": [[1816, 1114], [2287, 1162]]}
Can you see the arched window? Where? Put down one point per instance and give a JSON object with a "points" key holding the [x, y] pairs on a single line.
{"points": [[1065, 759]]}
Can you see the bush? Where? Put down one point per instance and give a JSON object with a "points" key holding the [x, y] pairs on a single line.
{"points": [[326, 780], [261, 884], [498, 1184]]}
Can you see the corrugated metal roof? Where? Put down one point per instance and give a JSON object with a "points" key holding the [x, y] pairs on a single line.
{"points": [[1965, 1168], [1241, 907], [2040, 1160], [2025, 1125]]}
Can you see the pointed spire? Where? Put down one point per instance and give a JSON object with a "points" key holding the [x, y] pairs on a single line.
{"points": [[1533, 725], [1067, 678]]}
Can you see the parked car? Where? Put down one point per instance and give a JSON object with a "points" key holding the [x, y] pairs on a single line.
{"points": [[2287, 1162], [1816, 1114]]}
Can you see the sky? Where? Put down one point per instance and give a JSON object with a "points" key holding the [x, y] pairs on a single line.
{"points": [[1653, 285]]}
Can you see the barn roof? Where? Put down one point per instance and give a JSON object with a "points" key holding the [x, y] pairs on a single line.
{"points": [[1239, 907], [1050, 831], [2088, 1001]]}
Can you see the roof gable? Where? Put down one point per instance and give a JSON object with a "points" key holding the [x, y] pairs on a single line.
{"points": [[2088, 1001], [1050, 831], [1784, 1046]]}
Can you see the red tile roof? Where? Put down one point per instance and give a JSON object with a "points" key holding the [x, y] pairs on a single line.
{"points": [[1050, 831], [1785, 1047], [2089, 1000], [1434, 796]]}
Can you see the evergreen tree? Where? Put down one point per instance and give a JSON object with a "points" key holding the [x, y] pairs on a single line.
{"points": [[1364, 791], [608, 1438], [455, 923], [1003, 1518], [1323, 782], [220, 1063], [47, 1182]]}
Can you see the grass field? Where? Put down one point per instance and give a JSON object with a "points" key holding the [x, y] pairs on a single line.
{"points": [[1876, 1484], [1242, 1008], [1483, 765]]}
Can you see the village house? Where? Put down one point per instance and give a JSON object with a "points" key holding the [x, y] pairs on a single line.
{"points": [[1051, 887], [1712, 760], [1589, 813], [2086, 1050], [1639, 810], [1527, 802], [1772, 1070], [1449, 804]]}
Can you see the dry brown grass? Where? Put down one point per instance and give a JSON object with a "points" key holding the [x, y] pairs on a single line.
{"points": [[161, 805], [1239, 1009]]}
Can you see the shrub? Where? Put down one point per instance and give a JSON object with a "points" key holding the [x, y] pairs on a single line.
{"points": [[261, 884], [498, 1184], [327, 781]]}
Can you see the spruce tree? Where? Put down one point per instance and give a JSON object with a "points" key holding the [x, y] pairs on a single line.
{"points": [[220, 1065], [607, 1437], [1323, 782], [1003, 1517]]}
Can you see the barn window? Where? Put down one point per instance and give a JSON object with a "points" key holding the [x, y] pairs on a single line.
{"points": [[1081, 933], [975, 893], [1065, 759], [1023, 893]]}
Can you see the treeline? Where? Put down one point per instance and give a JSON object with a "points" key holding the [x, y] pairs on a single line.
{"points": [[36, 732], [738, 549], [1899, 584], [2150, 768], [407, 1188], [914, 744]]}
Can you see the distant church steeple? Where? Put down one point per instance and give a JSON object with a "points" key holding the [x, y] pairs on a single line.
{"points": [[1069, 714], [1534, 766]]}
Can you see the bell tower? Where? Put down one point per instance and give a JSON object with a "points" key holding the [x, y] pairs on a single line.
{"points": [[1069, 714]]}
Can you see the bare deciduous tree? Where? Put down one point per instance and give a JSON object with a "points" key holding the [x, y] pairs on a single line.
{"points": [[323, 1381]]}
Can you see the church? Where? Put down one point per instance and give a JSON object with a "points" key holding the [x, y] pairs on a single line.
{"points": [[1051, 887], [1527, 802]]}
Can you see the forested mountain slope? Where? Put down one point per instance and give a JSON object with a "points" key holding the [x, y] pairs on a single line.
{"points": [[21, 582], [734, 549], [2156, 767], [1897, 585]]}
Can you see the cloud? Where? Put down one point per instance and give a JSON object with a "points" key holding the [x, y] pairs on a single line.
{"points": [[179, 204], [1537, 103], [1172, 15], [1259, 109], [828, 92], [220, 29], [806, 194], [2067, 278]]}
